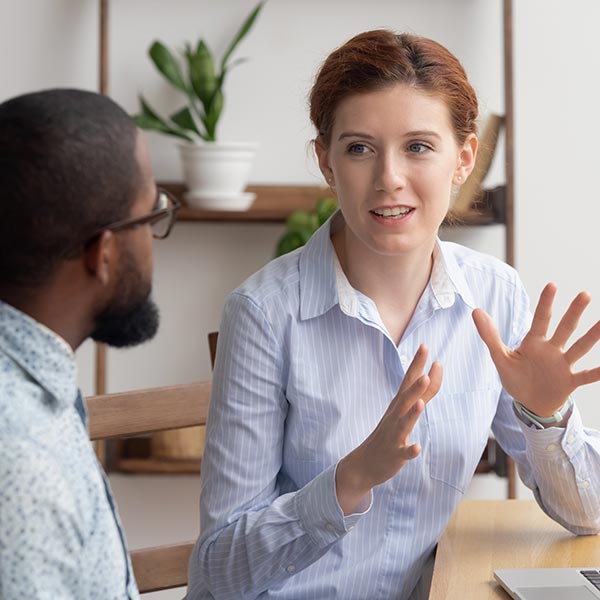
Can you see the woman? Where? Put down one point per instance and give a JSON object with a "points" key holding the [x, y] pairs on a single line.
{"points": [[337, 449]]}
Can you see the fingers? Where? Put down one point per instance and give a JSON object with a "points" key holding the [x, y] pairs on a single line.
{"points": [[411, 451], [416, 385], [543, 311], [415, 370], [585, 377], [435, 382], [488, 332], [411, 418], [570, 319], [583, 345], [408, 398], [421, 391]]}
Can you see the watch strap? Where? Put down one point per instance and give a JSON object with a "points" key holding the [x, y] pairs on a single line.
{"points": [[542, 422]]}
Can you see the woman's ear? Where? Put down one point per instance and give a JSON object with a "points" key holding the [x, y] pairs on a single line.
{"points": [[323, 158], [466, 159], [100, 257], [325, 163]]}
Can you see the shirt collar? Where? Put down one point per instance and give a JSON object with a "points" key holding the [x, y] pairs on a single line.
{"points": [[323, 283], [318, 290], [447, 279], [42, 353]]}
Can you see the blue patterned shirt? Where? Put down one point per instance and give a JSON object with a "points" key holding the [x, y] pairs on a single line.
{"points": [[305, 371], [59, 536]]}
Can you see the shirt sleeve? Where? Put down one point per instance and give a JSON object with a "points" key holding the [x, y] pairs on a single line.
{"points": [[40, 541], [253, 536], [560, 465]]}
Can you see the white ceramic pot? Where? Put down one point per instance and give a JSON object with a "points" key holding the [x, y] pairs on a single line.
{"points": [[216, 174]]}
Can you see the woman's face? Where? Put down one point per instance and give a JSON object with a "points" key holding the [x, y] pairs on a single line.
{"points": [[393, 159]]}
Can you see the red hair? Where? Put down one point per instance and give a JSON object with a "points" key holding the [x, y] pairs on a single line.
{"points": [[377, 59]]}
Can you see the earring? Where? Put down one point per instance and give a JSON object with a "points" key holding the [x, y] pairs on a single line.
{"points": [[459, 177]]}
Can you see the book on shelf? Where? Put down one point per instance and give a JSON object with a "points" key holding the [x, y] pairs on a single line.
{"points": [[471, 192]]}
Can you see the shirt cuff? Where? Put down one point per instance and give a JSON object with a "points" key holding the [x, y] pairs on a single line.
{"points": [[555, 442], [320, 512]]}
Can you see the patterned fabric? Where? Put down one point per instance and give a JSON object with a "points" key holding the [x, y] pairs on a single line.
{"points": [[59, 536], [304, 372]]}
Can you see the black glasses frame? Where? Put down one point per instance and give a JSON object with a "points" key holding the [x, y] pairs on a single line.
{"points": [[149, 219], [169, 212]]}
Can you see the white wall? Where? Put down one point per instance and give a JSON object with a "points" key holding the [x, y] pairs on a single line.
{"points": [[53, 43], [557, 134]]}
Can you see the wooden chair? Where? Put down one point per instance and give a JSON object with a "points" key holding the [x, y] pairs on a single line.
{"points": [[146, 411], [493, 460]]}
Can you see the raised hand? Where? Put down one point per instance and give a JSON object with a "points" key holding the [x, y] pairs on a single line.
{"points": [[539, 373], [388, 448]]}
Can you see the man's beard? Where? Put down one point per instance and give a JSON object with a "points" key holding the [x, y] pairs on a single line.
{"points": [[132, 317]]}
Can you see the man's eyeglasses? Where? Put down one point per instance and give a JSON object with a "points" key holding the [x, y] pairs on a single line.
{"points": [[161, 219]]}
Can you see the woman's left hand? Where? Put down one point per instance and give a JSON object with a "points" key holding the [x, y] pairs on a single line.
{"points": [[539, 373]]}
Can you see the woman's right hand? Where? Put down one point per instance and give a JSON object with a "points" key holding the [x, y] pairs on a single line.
{"points": [[387, 449]]}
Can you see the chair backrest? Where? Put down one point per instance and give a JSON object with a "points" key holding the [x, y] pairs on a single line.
{"points": [[213, 336], [146, 411]]}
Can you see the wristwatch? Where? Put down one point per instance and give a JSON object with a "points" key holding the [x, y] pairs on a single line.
{"points": [[530, 418]]}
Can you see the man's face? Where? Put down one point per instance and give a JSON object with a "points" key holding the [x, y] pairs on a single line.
{"points": [[131, 316]]}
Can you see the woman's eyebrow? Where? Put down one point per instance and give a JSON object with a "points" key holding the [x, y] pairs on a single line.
{"points": [[416, 133], [360, 134], [423, 132]]}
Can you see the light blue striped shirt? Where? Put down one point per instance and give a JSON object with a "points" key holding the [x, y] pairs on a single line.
{"points": [[305, 370]]}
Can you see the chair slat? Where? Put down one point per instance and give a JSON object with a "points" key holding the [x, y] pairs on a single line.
{"points": [[143, 411], [161, 567]]}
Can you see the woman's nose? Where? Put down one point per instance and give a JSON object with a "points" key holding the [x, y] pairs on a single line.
{"points": [[391, 173]]}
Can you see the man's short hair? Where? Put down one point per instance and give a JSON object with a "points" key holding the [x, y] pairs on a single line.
{"points": [[68, 167]]}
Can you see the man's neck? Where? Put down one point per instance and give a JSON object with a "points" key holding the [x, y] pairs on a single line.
{"points": [[50, 308]]}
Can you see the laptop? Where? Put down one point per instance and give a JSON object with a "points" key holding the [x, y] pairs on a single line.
{"points": [[550, 584]]}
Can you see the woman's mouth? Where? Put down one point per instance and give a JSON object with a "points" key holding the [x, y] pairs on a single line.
{"points": [[396, 212]]}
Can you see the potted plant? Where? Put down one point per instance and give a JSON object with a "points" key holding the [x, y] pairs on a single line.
{"points": [[301, 224], [215, 172]]}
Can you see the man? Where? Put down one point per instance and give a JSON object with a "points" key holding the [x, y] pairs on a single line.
{"points": [[78, 210]]}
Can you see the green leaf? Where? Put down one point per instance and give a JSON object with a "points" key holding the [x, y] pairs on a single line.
{"points": [[201, 68], [241, 34], [149, 119], [183, 118], [325, 208], [212, 116], [165, 62], [299, 219], [292, 240]]}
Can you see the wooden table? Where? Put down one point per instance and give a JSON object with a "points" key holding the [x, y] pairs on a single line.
{"points": [[484, 535]]}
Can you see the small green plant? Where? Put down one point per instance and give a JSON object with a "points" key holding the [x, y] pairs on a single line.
{"points": [[202, 85], [301, 224]]}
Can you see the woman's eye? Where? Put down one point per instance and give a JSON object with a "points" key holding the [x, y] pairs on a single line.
{"points": [[358, 149], [418, 148]]}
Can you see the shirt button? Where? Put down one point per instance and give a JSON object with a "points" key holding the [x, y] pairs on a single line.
{"points": [[551, 447], [585, 484], [570, 439], [329, 527], [291, 569], [403, 360]]}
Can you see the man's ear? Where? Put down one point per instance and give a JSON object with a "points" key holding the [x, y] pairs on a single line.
{"points": [[100, 257]]}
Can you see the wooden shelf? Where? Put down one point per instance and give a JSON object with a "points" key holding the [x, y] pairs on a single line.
{"points": [[156, 465], [274, 204]]}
